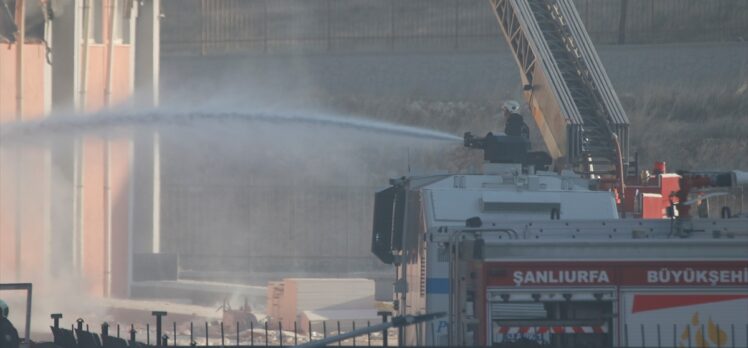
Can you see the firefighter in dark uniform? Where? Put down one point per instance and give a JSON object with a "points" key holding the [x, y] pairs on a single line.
{"points": [[515, 123], [8, 333]]}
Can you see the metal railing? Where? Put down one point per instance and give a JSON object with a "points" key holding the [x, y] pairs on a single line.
{"points": [[214, 333], [215, 27], [691, 334], [80, 335]]}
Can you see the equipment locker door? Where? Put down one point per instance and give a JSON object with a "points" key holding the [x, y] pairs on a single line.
{"points": [[551, 318]]}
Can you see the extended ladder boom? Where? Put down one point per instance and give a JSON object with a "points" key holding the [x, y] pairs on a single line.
{"points": [[570, 95]]}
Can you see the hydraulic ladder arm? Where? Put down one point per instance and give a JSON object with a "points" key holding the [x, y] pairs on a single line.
{"points": [[569, 93]]}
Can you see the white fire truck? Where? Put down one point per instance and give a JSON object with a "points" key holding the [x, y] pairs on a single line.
{"points": [[573, 247], [516, 256]]}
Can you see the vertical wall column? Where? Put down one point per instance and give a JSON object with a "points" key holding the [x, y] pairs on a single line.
{"points": [[146, 173], [66, 188], [66, 39], [146, 195], [147, 52], [146, 234]]}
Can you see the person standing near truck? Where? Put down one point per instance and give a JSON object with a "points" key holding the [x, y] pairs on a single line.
{"points": [[515, 123], [8, 333]]}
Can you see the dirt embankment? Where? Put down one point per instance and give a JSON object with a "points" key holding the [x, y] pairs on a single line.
{"points": [[690, 128]]}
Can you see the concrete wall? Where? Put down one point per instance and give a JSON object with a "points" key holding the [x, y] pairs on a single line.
{"points": [[67, 229], [35, 98], [23, 195], [106, 167]]}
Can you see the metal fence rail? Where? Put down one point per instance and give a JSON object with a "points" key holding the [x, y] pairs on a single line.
{"points": [[214, 27], [164, 333]]}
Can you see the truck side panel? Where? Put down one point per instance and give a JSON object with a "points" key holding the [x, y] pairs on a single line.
{"points": [[685, 318]]}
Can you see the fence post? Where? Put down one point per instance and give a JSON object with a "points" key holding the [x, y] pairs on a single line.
{"points": [[266, 333], [280, 334], [622, 22], [132, 334], [626, 334], [148, 334], [251, 334], [641, 328], [433, 334], [104, 329], [353, 328], [324, 329], [175, 333], [385, 339], [688, 331], [56, 317], [223, 336], [659, 338], [159, 315], [192, 332], [310, 330], [368, 334], [80, 324], [339, 342], [237, 334], [207, 337], [295, 334]]}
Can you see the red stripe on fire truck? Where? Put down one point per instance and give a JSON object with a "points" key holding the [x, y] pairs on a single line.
{"points": [[503, 330], [653, 302]]}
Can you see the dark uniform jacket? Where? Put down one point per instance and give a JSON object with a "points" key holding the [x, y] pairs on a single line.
{"points": [[516, 126], [8, 334]]}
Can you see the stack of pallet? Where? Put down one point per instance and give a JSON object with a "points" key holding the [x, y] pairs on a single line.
{"points": [[274, 298], [337, 320], [288, 299]]}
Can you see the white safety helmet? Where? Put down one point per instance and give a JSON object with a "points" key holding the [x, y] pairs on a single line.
{"points": [[511, 106]]}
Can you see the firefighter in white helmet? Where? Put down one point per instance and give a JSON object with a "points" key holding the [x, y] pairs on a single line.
{"points": [[515, 124], [8, 333]]}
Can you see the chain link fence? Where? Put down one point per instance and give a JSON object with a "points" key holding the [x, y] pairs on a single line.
{"points": [[219, 27]]}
